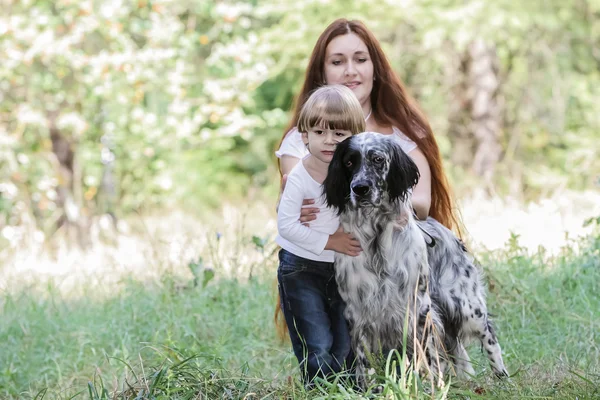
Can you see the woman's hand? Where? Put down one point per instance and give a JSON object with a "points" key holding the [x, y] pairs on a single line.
{"points": [[307, 214], [343, 242]]}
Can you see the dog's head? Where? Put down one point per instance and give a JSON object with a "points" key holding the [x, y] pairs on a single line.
{"points": [[368, 170]]}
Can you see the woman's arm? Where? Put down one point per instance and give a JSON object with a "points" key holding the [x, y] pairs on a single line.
{"points": [[287, 163], [421, 195]]}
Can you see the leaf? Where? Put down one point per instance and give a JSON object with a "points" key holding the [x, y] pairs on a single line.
{"points": [[208, 276], [259, 242]]}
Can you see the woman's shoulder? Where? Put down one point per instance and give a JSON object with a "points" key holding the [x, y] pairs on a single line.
{"points": [[405, 142], [292, 145], [292, 133]]}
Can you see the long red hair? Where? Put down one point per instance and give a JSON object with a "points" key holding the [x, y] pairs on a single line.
{"points": [[392, 105]]}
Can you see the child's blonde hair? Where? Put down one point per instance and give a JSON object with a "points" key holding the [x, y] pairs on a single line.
{"points": [[332, 107]]}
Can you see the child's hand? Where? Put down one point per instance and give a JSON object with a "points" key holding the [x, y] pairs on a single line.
{"points": [[343, 242]]}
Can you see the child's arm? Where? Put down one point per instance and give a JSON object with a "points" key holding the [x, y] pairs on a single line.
{"points": [[307, 214], [288, 219], [290, 227]]}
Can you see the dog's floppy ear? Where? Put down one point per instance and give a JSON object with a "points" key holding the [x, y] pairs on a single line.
{"points": [[336, 186], [403, 174]]}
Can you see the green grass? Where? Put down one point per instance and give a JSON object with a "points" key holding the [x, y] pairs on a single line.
{"points": [[173, 340]]}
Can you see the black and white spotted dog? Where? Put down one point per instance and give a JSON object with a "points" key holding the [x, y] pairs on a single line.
{"points": [[408, 269]]}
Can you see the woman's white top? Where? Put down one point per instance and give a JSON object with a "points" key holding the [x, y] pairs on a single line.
{"points": [[293, 145], [300, 240]]}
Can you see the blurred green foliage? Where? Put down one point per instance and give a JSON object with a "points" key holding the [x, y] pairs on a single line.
{"points": [[183, 102]]}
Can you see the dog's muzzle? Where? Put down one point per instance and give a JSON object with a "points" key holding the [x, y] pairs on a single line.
{"points": [[361, 189], [364, 194]]}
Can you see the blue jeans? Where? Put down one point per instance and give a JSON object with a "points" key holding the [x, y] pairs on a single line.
{"points": [[314, 313]]}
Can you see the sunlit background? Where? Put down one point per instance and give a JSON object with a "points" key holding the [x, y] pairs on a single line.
{"points": [[137, 138]]}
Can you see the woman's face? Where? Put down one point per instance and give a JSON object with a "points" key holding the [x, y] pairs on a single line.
{"points": [[347, 62]]}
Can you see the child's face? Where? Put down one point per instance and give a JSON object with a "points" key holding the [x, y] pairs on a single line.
{"points": [[321, 142]]}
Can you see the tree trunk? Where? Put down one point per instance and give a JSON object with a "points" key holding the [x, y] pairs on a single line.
{"points": [[107, 198], [459, 118], [63, 151], [485, 108], [475, 117]]}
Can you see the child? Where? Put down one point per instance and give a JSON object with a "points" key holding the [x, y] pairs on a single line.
{"points": [[310, 301]]}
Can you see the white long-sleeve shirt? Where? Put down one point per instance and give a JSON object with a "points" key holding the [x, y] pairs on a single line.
{"points": [[300, 240]]}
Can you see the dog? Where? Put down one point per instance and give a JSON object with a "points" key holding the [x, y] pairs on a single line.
{"points": [[414, 283]]}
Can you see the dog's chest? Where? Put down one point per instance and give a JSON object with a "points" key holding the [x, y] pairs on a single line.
{"points": [[363, 284], [388, 265], [375, 234]]}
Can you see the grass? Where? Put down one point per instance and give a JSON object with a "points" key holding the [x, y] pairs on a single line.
{"points": [[171, 338]]}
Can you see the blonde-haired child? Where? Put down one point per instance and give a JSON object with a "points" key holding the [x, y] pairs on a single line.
{"points": [[309, 296]]}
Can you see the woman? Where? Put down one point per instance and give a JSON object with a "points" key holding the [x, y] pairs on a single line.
{"points": [[347, 53]]}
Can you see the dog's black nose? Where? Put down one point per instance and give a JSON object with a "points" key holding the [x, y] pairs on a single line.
{"points": [[360, 189]]}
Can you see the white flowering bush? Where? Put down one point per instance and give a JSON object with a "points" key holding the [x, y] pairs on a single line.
{"points": [[176, 102], [133, 87]]}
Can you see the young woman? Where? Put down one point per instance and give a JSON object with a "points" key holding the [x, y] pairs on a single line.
{"points": [[309, 296], [347, 53]]}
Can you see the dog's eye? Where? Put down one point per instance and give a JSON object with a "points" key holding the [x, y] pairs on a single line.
{"points": [[377, 159], [348, 163]]}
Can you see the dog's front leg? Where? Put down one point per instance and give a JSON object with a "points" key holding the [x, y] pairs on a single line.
{"points": [[361, 367], [430, 327], [423, 293], [362, 363]]}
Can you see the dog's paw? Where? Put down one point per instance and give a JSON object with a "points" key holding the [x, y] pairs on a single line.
{"points": [[501, 374]]}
